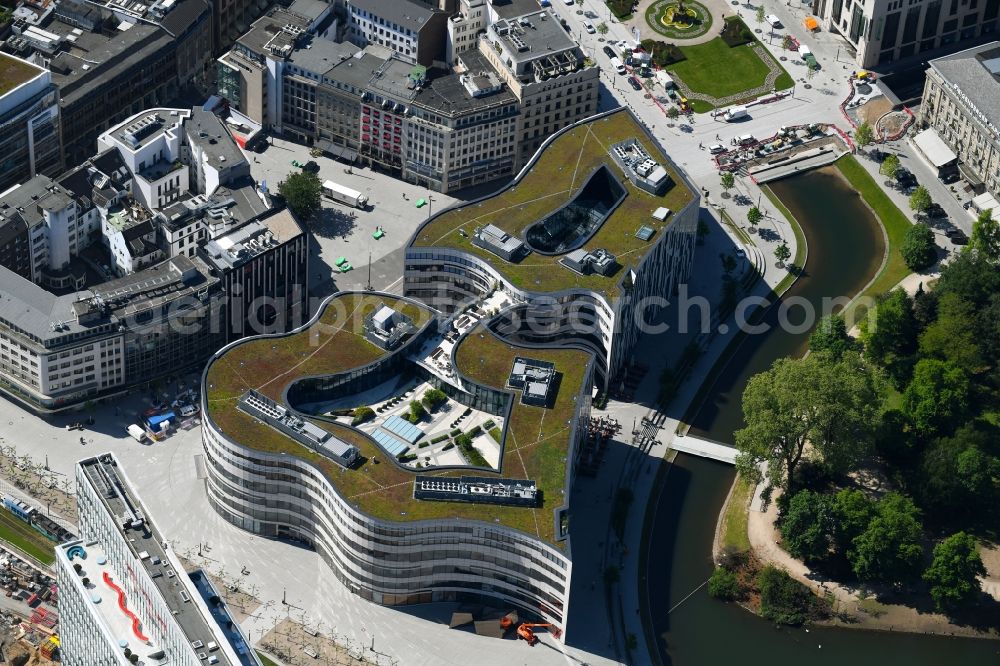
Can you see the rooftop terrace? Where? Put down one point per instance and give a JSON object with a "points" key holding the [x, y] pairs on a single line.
{"points": [[537, 438], [555, 178]]}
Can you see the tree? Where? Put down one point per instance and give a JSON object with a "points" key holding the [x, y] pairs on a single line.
{"points": [[728, 180], [433, 398], [920, 200], [830, 405], [787, 43], [889, 549], [783, 600], [807, 526], [960, 475], [986, 236], [673, 113], [890, 165], [852, 512], [864, 135], [831, 336], [889, 335], [951, 335], [602, 28], [782, 253], [937, 398], [754, 216], [301, 191], [417, 411], [918, 248], [724, 585], [760, 13], [954, 572]]}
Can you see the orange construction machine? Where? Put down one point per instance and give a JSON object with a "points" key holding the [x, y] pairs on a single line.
{"points": [[525, 631]]}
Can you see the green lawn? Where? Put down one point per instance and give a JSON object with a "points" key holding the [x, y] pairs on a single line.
{"points": [[716, 69], [20, 534], [264, 660], [893, 220], [734, 535]]}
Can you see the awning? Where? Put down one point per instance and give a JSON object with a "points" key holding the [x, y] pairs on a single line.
{"points": [[987, 202], [934, 149], [972, 178], [335, 149]]}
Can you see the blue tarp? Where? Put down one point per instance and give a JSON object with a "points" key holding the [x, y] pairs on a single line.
{"points": [[156, 421]]}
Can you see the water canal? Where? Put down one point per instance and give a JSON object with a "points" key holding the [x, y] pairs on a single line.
{"points": [[845, 251]]}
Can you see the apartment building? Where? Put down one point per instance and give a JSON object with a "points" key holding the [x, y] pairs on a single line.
{"points": [[124, 596], [464, 27], [881, 32], [961, 104], [546, 70], [30, 140], [414, 31]]}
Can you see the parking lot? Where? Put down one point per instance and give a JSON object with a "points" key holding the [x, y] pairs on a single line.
{"points": [[343, 231]]}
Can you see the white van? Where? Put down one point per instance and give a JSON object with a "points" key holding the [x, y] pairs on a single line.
{"points": [[617, 64], [735, 113], [589, 27], [773, 21], [746, 140]]}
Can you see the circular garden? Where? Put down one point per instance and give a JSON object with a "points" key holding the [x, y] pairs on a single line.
{"points": [[680, 19]]}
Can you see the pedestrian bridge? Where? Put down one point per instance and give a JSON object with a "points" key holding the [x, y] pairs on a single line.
{"points": [[705, 448]]}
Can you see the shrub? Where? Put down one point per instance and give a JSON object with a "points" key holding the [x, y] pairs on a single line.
{"points": [[470, 452], [496, 434], [782, 599], [663, 54], [362, 414], [455, 433], [423, 445], [468, 410], [448, 446], [406, 457], [736, 33], [476, 432], [724, 585], [622, 9], [489, 424], [439, 438], [918, 248], [434, 398]]}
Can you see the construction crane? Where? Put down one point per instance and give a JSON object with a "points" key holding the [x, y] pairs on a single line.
{"points": [[508, 621], [525, 631]]}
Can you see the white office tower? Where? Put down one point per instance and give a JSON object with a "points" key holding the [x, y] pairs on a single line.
{"points": [[124, 597]]}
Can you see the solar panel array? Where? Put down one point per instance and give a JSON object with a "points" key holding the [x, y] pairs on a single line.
{"points": [[403, 428]]}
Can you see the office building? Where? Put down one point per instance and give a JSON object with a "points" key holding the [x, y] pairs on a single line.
{"points": [[479, 533], [124, 596], [30, 141], [881, 32], [416, 32], [547, 72], [585, 268], [961, 105]]}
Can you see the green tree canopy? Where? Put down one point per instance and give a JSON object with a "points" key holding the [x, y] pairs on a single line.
{"points": [[954, 572], [950, 337], [754, 216], [830, 336], [889, 335], [985, 236], [920, 200], [807, 526], [864, 135], [301, 191], [831, 405], [759, 14], [889, 549], [937, 399], [918, 248], [728, 180], [960, 475], [852, 511], [890, 165], [782, 253]]}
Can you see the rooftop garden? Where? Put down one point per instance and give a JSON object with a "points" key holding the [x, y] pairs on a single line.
{"points": [[14, 72], [556, 177], [537, 438]]}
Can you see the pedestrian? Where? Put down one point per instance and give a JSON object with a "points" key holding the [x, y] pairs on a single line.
{"points": [[716, 137]]}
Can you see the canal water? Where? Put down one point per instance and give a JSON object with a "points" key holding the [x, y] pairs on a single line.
{"points": [[691, 629]]}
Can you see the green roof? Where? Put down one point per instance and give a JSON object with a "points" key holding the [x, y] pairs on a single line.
{"points": [[14, 72], [537, 438], [554, 179]]}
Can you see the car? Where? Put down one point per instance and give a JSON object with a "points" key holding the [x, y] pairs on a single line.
{"points": [[716, 149], [570, 2], [935, 211], [958, 237], [773, 21], [634, 82], [610, 52], [589, 14], [589, 27], [741, 254], [949, 178], [310, 167]]}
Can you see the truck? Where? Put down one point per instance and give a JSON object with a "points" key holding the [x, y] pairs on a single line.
{"points": [[808, 57], [344, 195], [735, 113]]}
